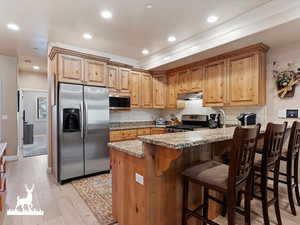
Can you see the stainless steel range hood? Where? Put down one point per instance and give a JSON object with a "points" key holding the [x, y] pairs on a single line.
{"points": [[190, 96]]}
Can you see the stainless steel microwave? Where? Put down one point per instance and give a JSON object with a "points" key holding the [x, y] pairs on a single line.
{"points": [[119, 102]]}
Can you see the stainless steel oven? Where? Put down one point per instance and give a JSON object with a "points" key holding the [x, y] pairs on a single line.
{"points": [[119, 102]]}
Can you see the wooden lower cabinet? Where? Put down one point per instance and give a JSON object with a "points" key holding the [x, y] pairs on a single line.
{"points": [[131, 134]]}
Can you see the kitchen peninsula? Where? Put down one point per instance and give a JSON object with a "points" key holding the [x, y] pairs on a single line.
{"points": [[146, 174]]}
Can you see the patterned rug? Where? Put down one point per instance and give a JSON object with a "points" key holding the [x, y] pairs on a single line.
{"points": [[96, 192]]}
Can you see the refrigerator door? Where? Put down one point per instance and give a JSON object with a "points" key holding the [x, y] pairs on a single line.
{"points": [[96, 104], [70, 134]]}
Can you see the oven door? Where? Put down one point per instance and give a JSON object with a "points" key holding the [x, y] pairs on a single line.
{"points": [[119, 102]]}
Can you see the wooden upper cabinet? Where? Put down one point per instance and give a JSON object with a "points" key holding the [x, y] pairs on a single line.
{"points": [[172, 90], [113, 75], [135, 89], [124, 79], [245, 80], [184, 81], [197, 78], [146, 93], [215, 84], [70, 69], [159, 91], [95, 73]]}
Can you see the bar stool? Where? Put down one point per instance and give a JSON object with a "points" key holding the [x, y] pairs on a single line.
{"points": [[291, 156], [267, 162], [228, 180]]}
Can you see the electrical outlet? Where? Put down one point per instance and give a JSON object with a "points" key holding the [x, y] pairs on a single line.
{"points": [[139, 178]]}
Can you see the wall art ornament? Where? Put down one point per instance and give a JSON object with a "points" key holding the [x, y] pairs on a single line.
{"points": [[286, 79]]}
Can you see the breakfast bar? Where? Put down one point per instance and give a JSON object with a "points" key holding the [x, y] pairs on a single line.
{"points": [[146, 174]]}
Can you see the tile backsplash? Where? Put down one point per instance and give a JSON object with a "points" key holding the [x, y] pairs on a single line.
{"points": [[134, 115]]}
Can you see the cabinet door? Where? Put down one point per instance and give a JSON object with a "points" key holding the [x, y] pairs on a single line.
{"points": [[70, 69], [184, 81], [144, 131], [159, 91], [113, 74], [215, 88], [147, 98], [243, 80], [124, 79], [197, 79], [158, 130], [135, 89], [95, 73], [172, 90]]}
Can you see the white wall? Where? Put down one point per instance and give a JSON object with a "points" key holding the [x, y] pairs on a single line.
{"points": [[135, 115], [32, 80], [8, 76]]}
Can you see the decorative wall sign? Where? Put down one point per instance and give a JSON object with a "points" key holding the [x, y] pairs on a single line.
{"points": [[286, 80]]}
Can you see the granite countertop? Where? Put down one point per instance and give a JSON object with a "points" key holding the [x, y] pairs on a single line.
{"points": [[192, 138], [134, 147], [137, 127]]}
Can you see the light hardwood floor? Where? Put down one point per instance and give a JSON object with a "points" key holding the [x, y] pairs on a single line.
{"points": [[63, 206], [61, 203]]}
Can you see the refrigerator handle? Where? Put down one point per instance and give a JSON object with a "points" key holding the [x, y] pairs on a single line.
{"points": [[86, 119], [81, 119]]}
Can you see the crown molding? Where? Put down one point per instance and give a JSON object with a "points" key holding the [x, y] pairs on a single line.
{"points": [[266, 16]]}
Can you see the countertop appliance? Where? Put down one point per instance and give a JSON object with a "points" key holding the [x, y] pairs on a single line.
{"points": [[247, 119], [190, 123], [161, 121], [83, 130], [119, 101]]}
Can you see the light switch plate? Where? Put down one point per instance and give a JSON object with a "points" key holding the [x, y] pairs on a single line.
{"points": [[282, 113], [139, 178]]}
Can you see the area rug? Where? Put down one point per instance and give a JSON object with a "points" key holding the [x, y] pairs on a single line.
{"points": [[96, 192]]}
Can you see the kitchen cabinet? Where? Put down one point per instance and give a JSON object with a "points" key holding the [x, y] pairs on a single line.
{"points": [[158, 130], [171, 99], [146, 93], [196, 77], [122, 135], [184, 81], [113, 77], [159, 91], [135, 89], [144, 131], [95, 73], [215, 84], [246, 81], [70, 69], [124, 80]]}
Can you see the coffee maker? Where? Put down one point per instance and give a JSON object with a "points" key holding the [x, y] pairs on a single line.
{"points": [[247, 119]]}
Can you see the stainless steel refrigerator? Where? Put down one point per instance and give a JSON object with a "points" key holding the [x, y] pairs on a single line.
{"points": [[83, 123]]}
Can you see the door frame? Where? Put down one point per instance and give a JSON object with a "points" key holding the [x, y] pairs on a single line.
{"points": [[20, 115]]}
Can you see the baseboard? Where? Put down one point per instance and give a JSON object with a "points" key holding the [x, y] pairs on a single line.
{"points": [[9, 158]]}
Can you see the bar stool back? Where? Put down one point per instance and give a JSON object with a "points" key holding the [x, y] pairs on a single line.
{"points": [[228, 180]]}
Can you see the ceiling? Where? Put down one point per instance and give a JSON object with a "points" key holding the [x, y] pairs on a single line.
{"points": [[132, 28]]}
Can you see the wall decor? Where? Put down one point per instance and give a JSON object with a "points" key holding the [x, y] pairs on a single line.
{"points": [[42, 112], [286, 80]]}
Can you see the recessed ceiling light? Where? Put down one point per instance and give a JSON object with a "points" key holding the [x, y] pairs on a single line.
{"points": [[171, 38], [13, 27], [149, 6], [212, 19], [87, 36], [106, 14], [36, 67], [145, 51]]}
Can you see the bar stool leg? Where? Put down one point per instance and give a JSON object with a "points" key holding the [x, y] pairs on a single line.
{"points": [[290, 188], [276, 195], [231, 210], [296, 176], [205, 208], [263, 188], [185, 200], [248, 196]]}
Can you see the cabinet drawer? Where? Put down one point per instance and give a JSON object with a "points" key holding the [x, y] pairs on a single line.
{"points": [[129, 134], [116, 135], [158, 130], [145, 131]]}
